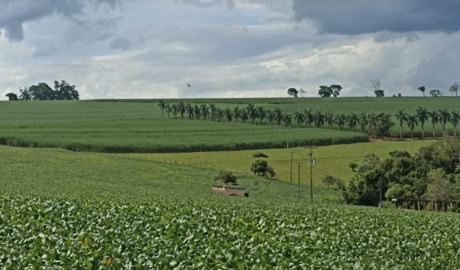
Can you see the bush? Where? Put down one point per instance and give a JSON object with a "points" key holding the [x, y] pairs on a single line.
{"points": [[259, 155], [226, 177]]}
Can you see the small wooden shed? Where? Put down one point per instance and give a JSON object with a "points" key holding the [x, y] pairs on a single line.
{"points": [[229, 191]]}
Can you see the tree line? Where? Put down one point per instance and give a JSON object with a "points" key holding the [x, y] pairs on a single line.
{"points": [[432, 173], [377, 124], [335, 89], [42, 91]]}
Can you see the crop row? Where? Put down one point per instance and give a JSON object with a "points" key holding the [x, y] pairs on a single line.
{"points": [[37, 233]]}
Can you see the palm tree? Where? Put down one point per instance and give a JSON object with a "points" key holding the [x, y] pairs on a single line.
{"points": [[278, 116], [299, 118], [329, 118], [228, 114], [174, 110], [318, 118], [168, 109], [287, 119], [352, 121], [261, 113], [444, 117], [435, 93], [197, 111], [189, 110], [422, 116], [270, 116], [401, 116], [213, 109], [204, 111], [455, 119], [308, 117], [252, 112], [340, 120], [236, 113], [434, 120], [363, 121], [181, 109], [244, 115], [219, 114], [411, 121], [373, 122], [162, 106], [422, 89]]}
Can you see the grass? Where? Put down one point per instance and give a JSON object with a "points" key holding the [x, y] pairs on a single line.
{"points": [[332, 160], [64, 173], [137, 127]]}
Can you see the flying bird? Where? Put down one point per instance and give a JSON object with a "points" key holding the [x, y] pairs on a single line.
{"points": [[188, 84]]}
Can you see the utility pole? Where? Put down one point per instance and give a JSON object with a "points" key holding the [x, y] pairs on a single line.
{"points": [[312, 163], [292, 153], [298, 183]]}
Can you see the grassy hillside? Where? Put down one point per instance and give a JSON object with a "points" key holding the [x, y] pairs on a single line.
{"points": [[63, 173], [136, 127], [331, 160]]}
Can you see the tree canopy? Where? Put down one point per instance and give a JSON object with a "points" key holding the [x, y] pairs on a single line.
{"points": [[42, 91], [293, 92], [328, 91]]}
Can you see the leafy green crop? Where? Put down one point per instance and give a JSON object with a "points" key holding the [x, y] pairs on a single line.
{"points": [[41, 232]]}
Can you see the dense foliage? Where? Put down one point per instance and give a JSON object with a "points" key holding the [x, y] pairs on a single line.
{"points": [[225, 177], [42, 91], [432, 173], [38, 233]]}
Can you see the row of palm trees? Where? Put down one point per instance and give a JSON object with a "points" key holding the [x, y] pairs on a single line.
{"points": [[422, 115], [366, 123]]}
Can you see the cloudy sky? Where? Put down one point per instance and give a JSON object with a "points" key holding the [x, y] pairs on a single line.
{"points": [[229, 48]]}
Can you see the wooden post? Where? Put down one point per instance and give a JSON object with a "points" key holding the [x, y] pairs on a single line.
{"points": [[418, 206], [436, 206]]}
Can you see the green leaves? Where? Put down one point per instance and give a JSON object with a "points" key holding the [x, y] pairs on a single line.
{"points": [[37, 233]]}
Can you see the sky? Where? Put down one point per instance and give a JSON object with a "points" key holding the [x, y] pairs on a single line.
{"points": [[229, 48]]}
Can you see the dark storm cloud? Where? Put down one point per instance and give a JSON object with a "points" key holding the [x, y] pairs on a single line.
{"points": [[14, 13], [368, 16]]}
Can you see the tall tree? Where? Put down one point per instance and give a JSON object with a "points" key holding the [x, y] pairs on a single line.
{"points": [[411, 121], [377, 88], [228, 114], [444, 118], [25, 94], [189, 110], [363, 121], [318, 118], [197, 111], [293, 92], [261, 113], [373, 123], [455, 119], [174, 110], [299, 118], [204, 110], [244, 115], [435, 93], [329, 118], [162, 106], [336, 90], [181, 109], [308, 117], [219, 114], [287, 119], [340, 120], [270, 116], [352, 120], [213, 109], [252, 112], [434, 120], [422, 116], [454, 88], [328, 91], [168, 109], [236, 113], [401, 116], [278, 116], [422, 89]]}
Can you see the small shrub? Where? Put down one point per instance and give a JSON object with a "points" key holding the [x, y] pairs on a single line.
{"points": [[259, 155], [226, 177], [261, 168]]}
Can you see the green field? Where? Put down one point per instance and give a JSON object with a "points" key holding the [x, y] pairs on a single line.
{"points": [[136, 127], [331, 160], [39, 233], [64, 173]]}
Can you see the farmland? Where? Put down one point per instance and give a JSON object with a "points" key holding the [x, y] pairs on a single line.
{"points": [[331, 160], [46, 232]]}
